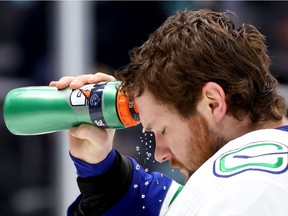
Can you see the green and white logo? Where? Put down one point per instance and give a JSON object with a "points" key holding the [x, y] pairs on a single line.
{"points": [[261, 156]]}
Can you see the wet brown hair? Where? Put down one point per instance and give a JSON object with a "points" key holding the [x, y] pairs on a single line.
{"points": [[192, 48]]}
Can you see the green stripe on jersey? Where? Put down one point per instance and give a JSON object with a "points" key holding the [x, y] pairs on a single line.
{"points": [[176, 194]]}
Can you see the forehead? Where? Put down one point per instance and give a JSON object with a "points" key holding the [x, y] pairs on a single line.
{"points": [[151, 113]]}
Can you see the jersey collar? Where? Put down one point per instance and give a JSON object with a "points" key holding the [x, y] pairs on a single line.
{"points": [[284, 128]]}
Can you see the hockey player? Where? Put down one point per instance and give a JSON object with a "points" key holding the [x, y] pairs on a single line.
{"points": [[204, 88]]}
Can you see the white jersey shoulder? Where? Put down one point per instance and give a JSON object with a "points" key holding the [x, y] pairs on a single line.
{"points": [[248, 176]]}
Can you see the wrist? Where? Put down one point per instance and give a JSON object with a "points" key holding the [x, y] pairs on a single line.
{"points": [[85, 169]]}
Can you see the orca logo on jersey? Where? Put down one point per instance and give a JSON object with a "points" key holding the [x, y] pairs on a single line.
{"points": [[261, 156]]}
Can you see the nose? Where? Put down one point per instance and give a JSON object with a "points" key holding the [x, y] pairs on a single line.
{"points": [[162, 151]]}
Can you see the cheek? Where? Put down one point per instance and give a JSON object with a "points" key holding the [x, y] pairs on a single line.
{"points": [[180, 142]]}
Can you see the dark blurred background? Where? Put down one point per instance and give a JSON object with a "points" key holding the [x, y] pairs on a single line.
{"points": [[32, 34]]}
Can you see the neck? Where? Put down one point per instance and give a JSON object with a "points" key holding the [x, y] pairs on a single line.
{"points": [[237, 128], [272, 124]]}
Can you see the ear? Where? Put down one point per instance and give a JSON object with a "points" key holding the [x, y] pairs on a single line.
{"points": [[214, 98]]}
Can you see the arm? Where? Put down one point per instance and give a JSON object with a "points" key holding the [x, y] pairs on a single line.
{"points": [[101, 185], [108, 181], [124, 189], [88, 144]]}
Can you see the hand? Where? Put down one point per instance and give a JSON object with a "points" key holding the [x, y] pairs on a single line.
{"points": [[79, 81], [88, 143]]}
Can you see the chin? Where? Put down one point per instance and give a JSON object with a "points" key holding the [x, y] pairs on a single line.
{"points": [[183, 170]]}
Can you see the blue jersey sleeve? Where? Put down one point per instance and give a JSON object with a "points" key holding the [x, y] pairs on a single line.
{"points": [[145, 194], [85, 170]]}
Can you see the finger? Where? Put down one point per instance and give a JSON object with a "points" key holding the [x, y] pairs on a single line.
{"points": [[64, 82], [100, 77], [90, 143], [90, 79], [89, 132], [81, 80], [53, 83]]}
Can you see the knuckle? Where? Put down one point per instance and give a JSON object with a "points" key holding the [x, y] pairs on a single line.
{"points": [[65, 78], [82, 130], [112, 78]]}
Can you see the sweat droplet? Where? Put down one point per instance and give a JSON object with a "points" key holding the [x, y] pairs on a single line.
{"points": [[146, 183], [143, 207], [165, 188], [137, 167], [160, 200], [143, 196], [135, 186], [137, 148], [146, 169]]}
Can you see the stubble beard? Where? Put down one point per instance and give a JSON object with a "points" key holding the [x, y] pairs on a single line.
{"points": [[203, 143]]}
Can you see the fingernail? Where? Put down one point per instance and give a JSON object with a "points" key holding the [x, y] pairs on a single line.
{"points": [[52, 83]]}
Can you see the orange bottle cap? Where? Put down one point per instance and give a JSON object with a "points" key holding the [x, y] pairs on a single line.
{"points": [[127, 110]]}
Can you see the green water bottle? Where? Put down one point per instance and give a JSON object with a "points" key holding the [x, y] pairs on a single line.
{"points": [[44, 109]]}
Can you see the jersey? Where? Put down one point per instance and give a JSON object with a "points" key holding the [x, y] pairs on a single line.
{"points": [[248, 176]]}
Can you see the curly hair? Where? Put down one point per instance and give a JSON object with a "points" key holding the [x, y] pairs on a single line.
{"points": [[192, 48]]}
